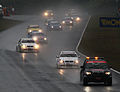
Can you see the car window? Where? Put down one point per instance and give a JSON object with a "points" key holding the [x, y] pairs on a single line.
{"points": [[28, 41], [68, 55]]}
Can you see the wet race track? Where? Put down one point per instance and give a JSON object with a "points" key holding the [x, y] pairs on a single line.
{"points": [[30, 72]]}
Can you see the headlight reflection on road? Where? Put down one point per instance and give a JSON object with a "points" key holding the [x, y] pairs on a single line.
{"points": [[23, 56], [109, 89], [36, 54], [70, 27], [61, 71], [87, 89]]}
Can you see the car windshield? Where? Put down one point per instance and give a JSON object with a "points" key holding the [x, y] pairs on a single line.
{"points": [[68, 55], [68, 19], [55, 24], [34, 26], [38, 34], [28, 41], [96, 66]]}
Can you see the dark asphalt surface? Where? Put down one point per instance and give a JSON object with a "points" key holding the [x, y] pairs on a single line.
{"points": [[37, 72]]}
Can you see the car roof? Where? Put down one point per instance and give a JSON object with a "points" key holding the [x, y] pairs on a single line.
{"points": [[68, 52], [33, 26]]}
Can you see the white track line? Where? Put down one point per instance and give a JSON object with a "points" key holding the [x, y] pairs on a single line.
{"points": [[80, 42], [82, 37], [115, 71]]}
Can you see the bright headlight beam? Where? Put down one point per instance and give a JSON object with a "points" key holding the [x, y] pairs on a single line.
{"points": [[63, 22], [107, 73], [45, 38], [37, 46], [45, 14], [23, 47], [61, 61], [40, 30], [35, 38], [76, 61], [30, 30], [88, 73], [70, 21]]}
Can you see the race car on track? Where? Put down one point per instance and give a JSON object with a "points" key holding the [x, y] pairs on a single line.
{"points": [[54, 26], [27, 45], [38, 37], [95, 69], [68, 21], [31, 28], [48, 14], [47, 21], [74, 14], [67, 58]]}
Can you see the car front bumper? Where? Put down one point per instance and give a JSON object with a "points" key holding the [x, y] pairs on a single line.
{"points": [[97, 78]]}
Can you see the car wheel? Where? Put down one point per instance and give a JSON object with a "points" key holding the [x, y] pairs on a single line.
{"points": [[20, 50], [16, 49], [108, 82], [58, 67], [81, 78], [85, 82]]}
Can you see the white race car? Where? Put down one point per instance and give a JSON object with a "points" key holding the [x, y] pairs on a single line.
{"points": [[27, 45], [67, 58]]}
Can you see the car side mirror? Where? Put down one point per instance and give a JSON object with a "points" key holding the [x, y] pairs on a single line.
{"points": [[78, 56], [57, 56], [81, 66]]}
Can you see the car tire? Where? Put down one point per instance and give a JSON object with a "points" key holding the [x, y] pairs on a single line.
{"points": [[85, 82], [20, 50], [108, 82], [81, 78], [16, 49], [58, 67]]}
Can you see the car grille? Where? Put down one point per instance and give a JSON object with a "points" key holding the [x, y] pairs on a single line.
{"points": [[69, 61], [29, 46], [98, 74]]}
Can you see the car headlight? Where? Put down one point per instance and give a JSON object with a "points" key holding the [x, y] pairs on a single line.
{"points": [[63, 22], [88, 73], [61, 61], [76, 61], [51, 26], [45, 38], [36, 46], [35, 38], [107, 73], [23, 46], [51, 13], [45, 14], [71, 22], [60, 26], [71, 17], [77, 19], [46, 23], [30, 31], [40, 30]]}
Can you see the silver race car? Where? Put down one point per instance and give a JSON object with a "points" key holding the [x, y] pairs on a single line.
{"points": [[67, 58], [27, 45]]}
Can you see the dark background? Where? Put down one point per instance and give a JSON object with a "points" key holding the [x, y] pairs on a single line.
{"points": [[35, 6]]}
